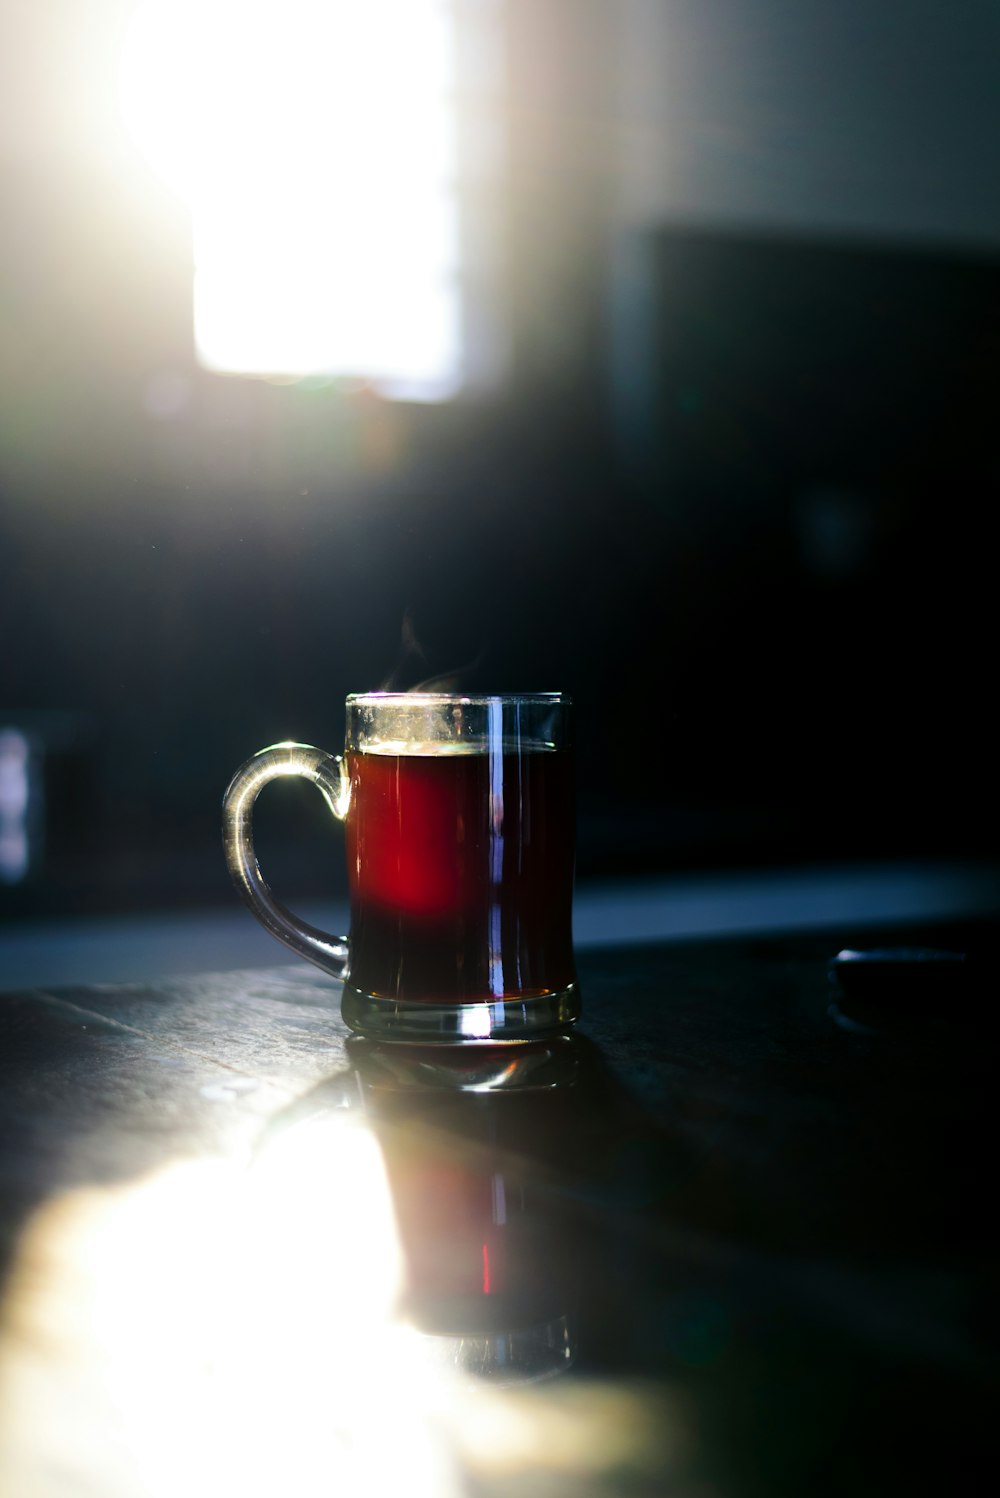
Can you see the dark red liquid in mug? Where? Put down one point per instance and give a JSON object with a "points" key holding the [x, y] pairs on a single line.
{"points": [[461, 873]]}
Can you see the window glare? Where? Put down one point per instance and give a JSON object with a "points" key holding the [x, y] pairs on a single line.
{"points": [[315, 143]]}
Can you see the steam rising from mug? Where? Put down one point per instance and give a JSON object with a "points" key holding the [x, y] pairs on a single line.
{"points": [[411, 649]]}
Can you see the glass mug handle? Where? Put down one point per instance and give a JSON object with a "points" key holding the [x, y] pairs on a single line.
{"points": [[328, 773]]}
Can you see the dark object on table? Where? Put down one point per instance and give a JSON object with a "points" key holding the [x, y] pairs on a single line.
{"points": [[884, 988]]}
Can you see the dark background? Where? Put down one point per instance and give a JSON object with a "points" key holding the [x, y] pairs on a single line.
{"points": [[734, 489]]}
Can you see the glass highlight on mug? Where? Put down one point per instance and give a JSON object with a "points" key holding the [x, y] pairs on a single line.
{"points": [[460, 831]]}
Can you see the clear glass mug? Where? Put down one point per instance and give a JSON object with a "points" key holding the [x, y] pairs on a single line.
{"points": [[460, 830]]}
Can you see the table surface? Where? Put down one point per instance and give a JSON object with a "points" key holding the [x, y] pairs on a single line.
{"points": [[760, 1227]]}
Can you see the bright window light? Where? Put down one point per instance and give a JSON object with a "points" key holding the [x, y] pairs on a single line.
{"points": [[314, 141]]}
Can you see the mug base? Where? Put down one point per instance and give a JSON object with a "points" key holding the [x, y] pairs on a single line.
{"points": [[501, 1358], [460, 1024]]}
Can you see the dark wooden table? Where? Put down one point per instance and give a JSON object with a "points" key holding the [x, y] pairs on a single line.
{"points": [[748, 1238]]}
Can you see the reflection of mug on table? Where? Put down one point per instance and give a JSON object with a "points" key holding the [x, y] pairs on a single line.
{"points": [[460, 844], [474, 1141], [469, 1151]]}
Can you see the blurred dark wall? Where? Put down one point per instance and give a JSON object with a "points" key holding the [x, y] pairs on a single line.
{"points": [[735, 494]]}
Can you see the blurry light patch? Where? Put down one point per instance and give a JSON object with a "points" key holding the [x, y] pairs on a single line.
{"points": [[220, 1329], [17, 796], [586, 1438], [314, 141]]}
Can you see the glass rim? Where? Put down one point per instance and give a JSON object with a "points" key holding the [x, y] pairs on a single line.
{"points": [[460, 699]]}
